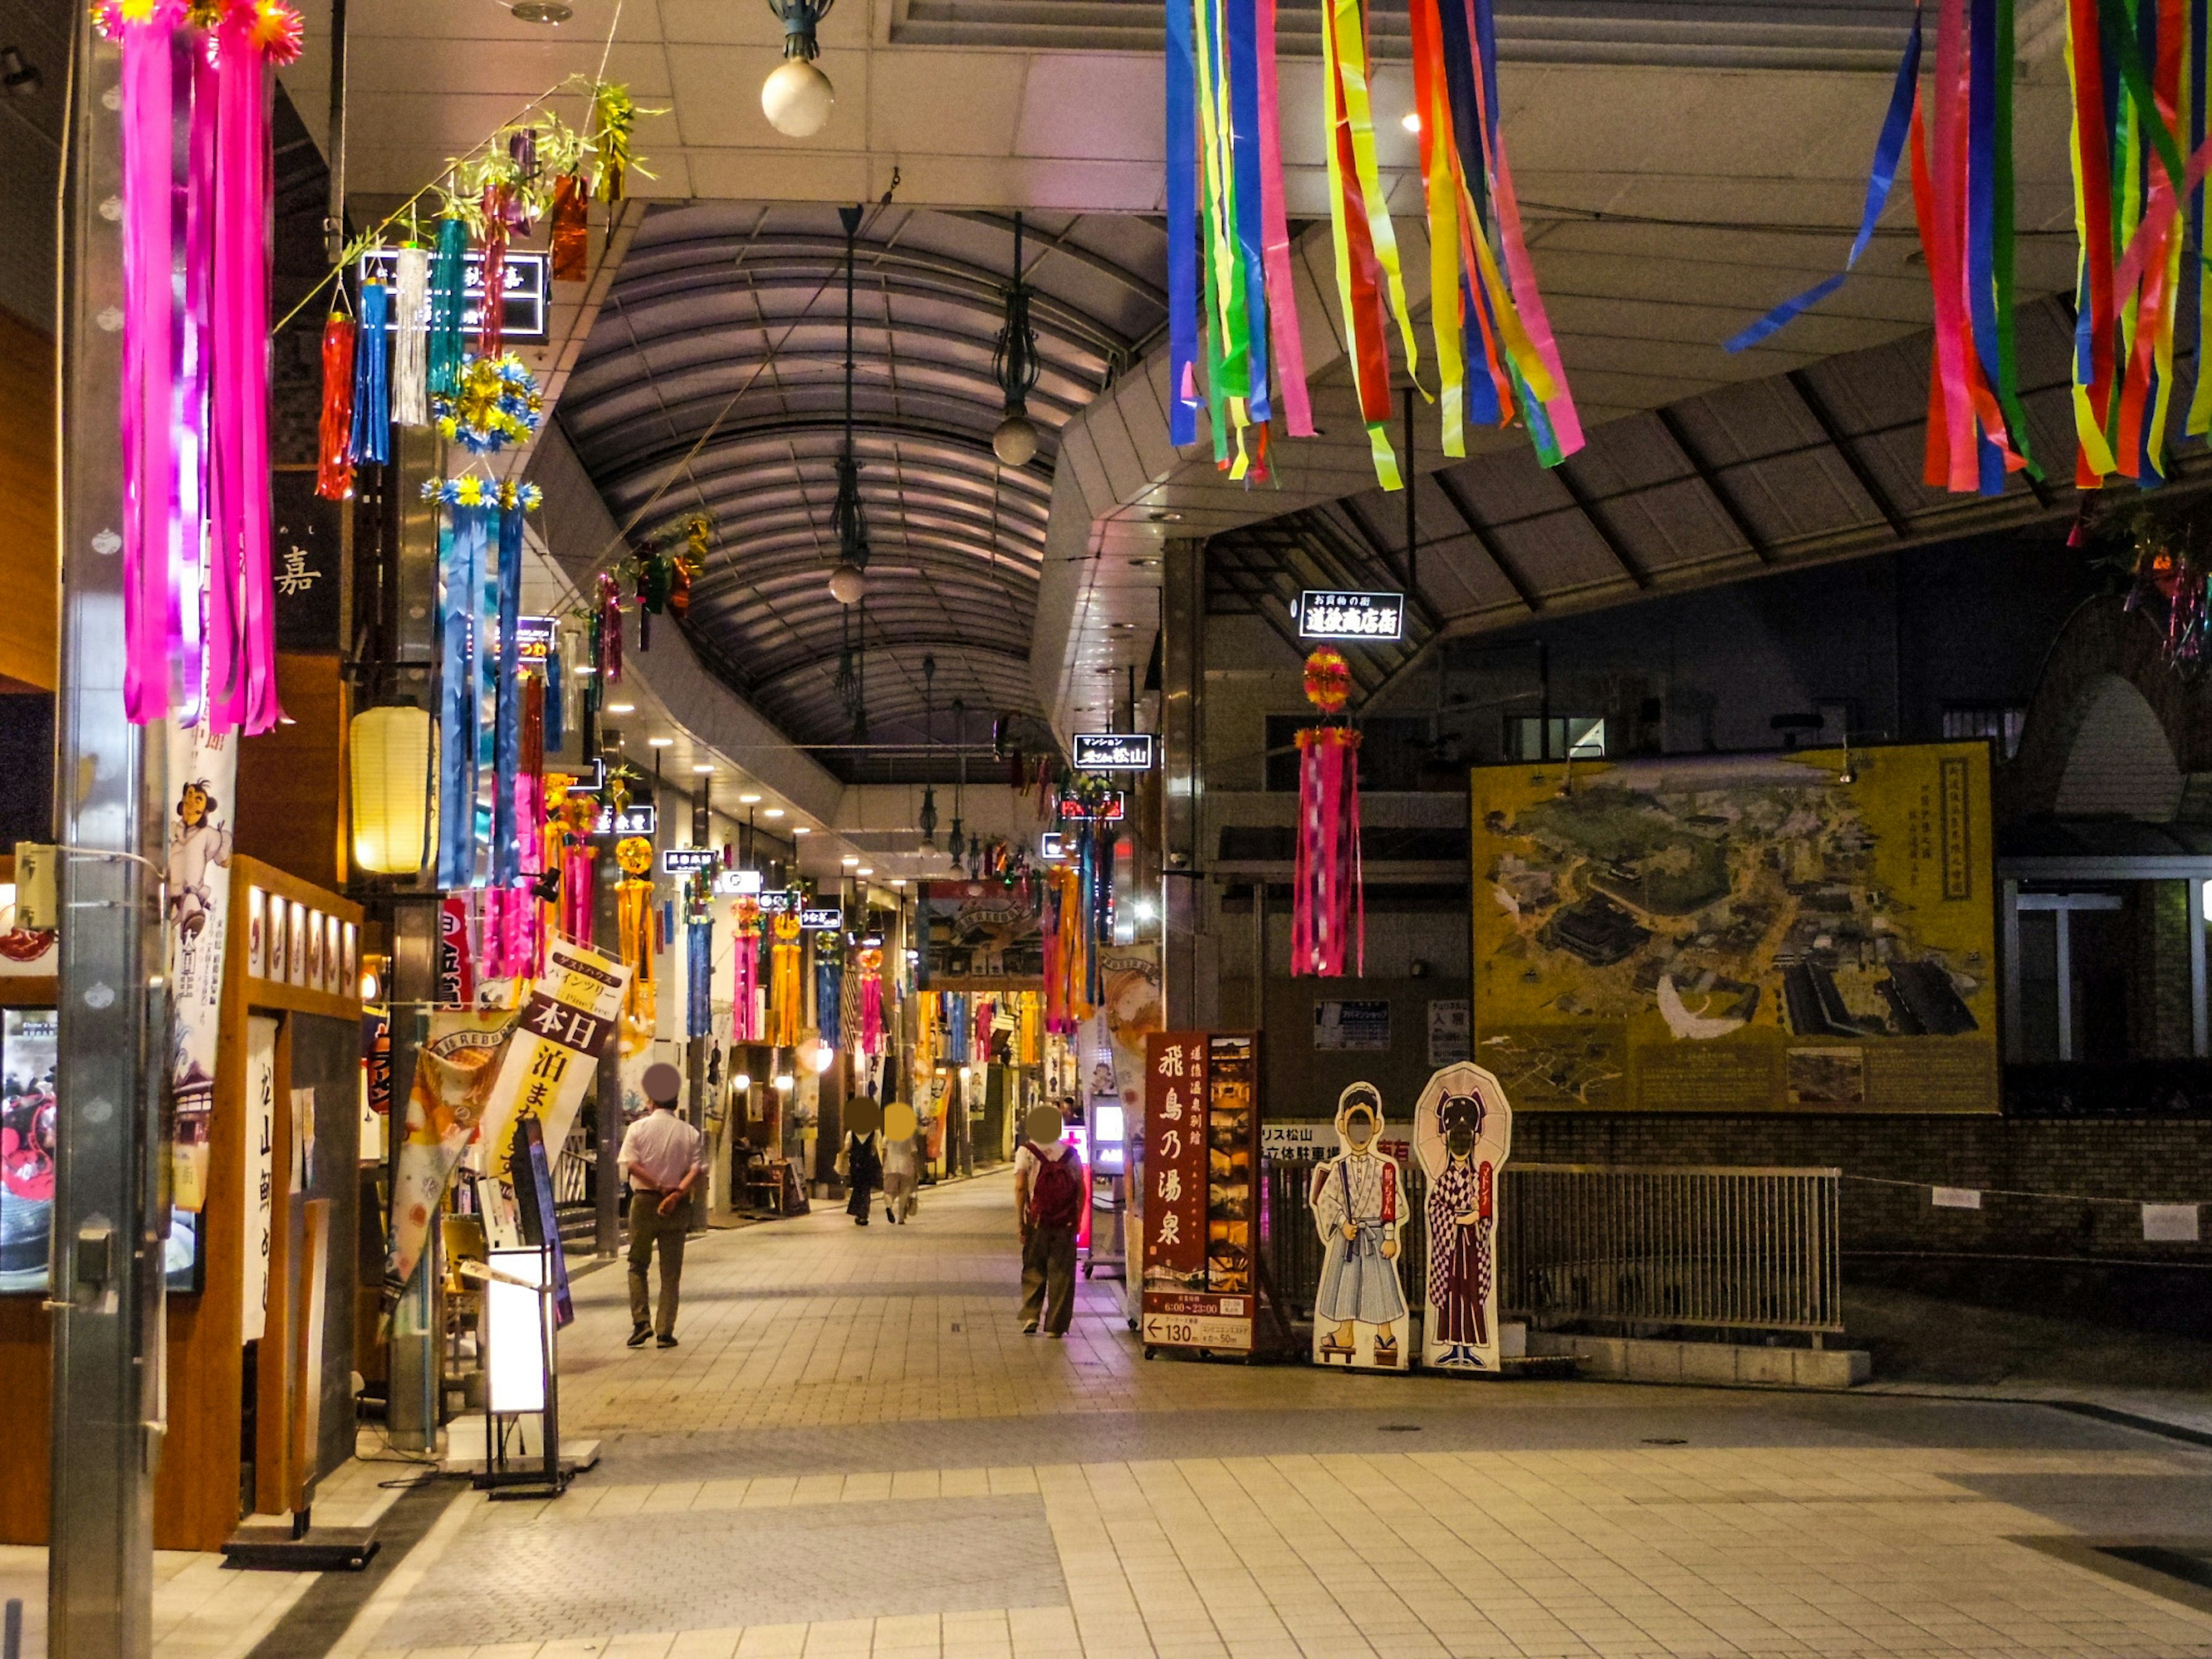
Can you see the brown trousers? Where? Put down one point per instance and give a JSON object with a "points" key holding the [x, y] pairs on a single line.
{"points": [[648, 1226], [1049, 1277]]}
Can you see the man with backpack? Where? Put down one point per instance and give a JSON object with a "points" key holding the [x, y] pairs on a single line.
{"points": [[1052, 1196]]}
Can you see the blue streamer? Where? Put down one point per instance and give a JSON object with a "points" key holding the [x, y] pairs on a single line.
{"points": [[1244, 64], [1982, 218], [1887, 152], [460, 558], [699, 965], [1182, 222], [507, 750], [829, 988], [372, 395], [556, 734]]}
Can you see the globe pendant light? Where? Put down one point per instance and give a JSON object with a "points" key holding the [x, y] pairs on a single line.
{"points": [[1015, 367], [848, 583], [928, 816], [797, 97]]}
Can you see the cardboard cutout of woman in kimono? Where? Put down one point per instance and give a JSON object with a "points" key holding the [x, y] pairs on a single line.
{"points": [[1360, 1316], [1463, 1132]]}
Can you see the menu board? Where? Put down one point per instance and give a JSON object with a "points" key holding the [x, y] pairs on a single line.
{"points": [[1200, 1168]]}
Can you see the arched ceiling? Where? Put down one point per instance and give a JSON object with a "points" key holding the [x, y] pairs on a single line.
{"points": [[714, 380]]}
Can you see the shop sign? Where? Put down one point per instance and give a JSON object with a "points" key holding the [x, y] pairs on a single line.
{"points": [[533, 638], [1109, 806], [1327, 614], [585, 784], [683, 861], [822, 919], [1295, 1139], [1201, 1146], [1347, 1025], [782, 902], [737, 883], [1193, 1321], [1451, 1032], [1114, 751], [632, 821], [1052, 846], [522, 285]]}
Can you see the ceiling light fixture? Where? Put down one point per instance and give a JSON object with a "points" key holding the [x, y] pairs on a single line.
{"points": [[703, 769], [661, 743], [1411, 120], [772, 812], [797, 97], [541, 11], [1015, 369], [865, 869], [849, 583], [850, 861], [749, 800], [801, 830], [622, 709]]}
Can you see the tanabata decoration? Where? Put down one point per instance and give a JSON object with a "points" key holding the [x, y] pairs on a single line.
{"points": [[1225, 165], [198, 608], [410, 341], [1962, 195], [828, 989], [495, 402], [571, 230], [449, 303], [370, 441], [614, 121], [699, 975], [634, 934], [1483, 304], [744, 975], [568, 849], [871, 1001], [1329, 907], [334, 441], [783, 982]]}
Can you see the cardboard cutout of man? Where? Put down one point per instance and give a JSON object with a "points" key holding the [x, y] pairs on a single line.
{"points": [[1463, 1132], [1361, 1314]]}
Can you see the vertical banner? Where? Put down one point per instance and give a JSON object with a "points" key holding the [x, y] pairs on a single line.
{"points": [[453, 1074], [1462, 1134], [1200, 1153], [206, 767], [258, 1192]]}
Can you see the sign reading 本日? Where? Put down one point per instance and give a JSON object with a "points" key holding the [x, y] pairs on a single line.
{"points": [[1809, 932]]}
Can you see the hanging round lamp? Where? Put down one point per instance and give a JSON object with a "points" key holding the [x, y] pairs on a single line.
{"points": [[393, 815], [1016, 367], [797, 97]]}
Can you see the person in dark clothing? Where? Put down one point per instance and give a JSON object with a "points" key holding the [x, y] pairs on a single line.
{"points": [[860, 1163], [1052, 1198]]}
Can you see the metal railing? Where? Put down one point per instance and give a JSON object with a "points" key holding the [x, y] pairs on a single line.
{"points": [[1740, 1249], [1719, 1247]]}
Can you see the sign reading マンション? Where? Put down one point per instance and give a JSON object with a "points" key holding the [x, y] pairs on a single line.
{"points": [[1325, 614], [1114, 751]]}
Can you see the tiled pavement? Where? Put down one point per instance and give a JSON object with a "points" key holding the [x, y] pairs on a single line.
{"points": [[854, 1452]]}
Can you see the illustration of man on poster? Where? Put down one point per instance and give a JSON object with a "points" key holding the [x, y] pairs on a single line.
{"points": [[1462, 1132], [1359, 1314]]}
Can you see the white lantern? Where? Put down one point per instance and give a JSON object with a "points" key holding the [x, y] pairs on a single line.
{"points": [[1015, 442], [796, 98], [393, 815], [848, 585]]}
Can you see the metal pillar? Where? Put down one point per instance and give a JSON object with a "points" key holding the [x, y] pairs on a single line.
{"points": [[1183, 659], [108, 1228]]}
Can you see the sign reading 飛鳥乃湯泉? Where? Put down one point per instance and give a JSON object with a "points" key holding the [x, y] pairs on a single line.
{"points": [[1327, 614], [1201, 1149], [1113, 751]]}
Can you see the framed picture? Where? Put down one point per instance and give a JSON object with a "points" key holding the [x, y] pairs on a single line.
{"points": [[280, 941], [256, 934]]}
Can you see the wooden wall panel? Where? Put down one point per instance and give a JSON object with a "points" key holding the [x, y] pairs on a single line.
{"points": [[29, 575], [292, 781]]}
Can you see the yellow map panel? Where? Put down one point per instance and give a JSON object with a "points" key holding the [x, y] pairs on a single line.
{"points": [[1810, 932]]}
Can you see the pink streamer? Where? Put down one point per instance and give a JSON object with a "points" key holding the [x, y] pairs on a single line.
{"points": [[871, 1014], [1275, 243], [745, 988], [578, 882], [151, 600], [1328, 891]]}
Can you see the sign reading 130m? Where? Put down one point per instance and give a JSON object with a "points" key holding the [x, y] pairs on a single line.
{"points": [[1113, 751], [1325, 614]]}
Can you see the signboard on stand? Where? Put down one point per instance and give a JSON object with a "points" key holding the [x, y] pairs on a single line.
{"points": [[1200, 1172], [1462, 1134]]}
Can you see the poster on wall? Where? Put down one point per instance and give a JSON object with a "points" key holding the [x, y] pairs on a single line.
{"points": [[28, 1123], [1451, 1032], [981, 936], [1353, 1026], [1201, 1158], [200, 841], [258, 1191], [1132, 1010], [1808, 932], [1360, 1309], [1462, 1134]]}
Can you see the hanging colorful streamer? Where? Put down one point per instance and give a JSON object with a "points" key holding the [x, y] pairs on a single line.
{"points": [[1484, 306], [745, 1011], [371, 438], [828, 989], [783, 982], [634, 936], [699, 965], [448, 300], [871, 1001], [411, 338], [334, 448], [463, 543], [1329, 907], [506, 733]]}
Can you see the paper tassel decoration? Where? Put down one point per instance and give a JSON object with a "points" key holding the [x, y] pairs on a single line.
{"points": [[1962, 197], [410, 339], [334, 458], [828, 989], [634, 935], [1484, 309], [371, 440], [871, 1002], [448, 300], [1225, 163], [1329, 907], [2138, 79], [783, 983], [744, 976], [571, 230], [463, 549], [507, 735], [607, 636], [699, 966]]}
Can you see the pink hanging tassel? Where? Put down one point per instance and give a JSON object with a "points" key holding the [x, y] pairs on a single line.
{"points": [[579, 881], [871, 1014], [744, 983], [1330, 901], [610, 644]]}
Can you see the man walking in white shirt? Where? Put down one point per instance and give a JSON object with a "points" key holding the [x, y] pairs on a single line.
{"points": [[662, 1160]]}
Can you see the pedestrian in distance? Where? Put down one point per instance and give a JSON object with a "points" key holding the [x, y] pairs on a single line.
{"points": [[1052, 1200], [901, 1161], [861, 1160], [662, 1158]]}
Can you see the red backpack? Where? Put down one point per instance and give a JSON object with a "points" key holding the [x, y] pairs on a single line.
{"points": [[1056, 1189]]}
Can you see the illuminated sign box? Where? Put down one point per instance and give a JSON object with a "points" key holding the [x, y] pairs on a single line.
{"points": [[534, 640], [1052, 846], [1114, 751], [524, 280], [637, 821], [1109, 808], [783, 902], [1325, 614], [821, 919], [683, 861]]}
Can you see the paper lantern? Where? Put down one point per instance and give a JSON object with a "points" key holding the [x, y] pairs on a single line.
{"points": [[392, 800]]}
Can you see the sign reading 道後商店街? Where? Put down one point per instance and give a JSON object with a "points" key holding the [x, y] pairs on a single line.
{"points": [[1739, 933]]}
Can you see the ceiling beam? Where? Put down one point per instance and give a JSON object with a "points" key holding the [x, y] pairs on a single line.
{"points": [[1817, 407], [1716, 486], [1587, 507], [1455, 495]]}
